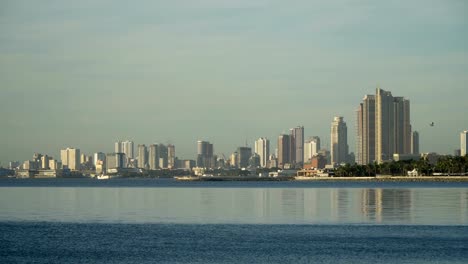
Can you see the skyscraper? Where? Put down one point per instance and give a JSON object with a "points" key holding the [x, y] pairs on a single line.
{"points": [[464, 143], [284, 150], [163, 155], [128, 149], [205, 157], [142, 156], [243, 156], [311, 148], [339, 141], [115, 161], [99, 156], [415, 143], [70, 157], [383, 127], [118, 147], [297, 145], [153, 156], [365, 142], [262, 148], [171, 156]]}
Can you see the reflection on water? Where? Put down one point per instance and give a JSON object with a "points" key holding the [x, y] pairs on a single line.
{"points": [[236, 205]]}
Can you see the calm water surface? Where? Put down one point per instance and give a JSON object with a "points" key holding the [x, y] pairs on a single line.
{"points": [[162, 221], [235, 203]]}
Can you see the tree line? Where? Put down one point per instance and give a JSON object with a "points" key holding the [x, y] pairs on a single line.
{"points": [[444, 165]]}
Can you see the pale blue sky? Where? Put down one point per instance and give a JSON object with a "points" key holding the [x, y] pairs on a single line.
{"points": [[87, 73]]}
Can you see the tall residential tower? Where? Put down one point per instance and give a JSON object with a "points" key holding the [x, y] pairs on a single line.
{"points": [[339, 141]]}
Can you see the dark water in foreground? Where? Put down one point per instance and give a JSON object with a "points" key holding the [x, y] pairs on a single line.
{"points": [[163, 221], [181, 243]]}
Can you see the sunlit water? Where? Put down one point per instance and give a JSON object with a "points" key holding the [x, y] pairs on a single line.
{"points": [[238, 204], [143, 221]]}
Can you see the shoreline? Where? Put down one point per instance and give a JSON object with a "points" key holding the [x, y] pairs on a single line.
{"points": [[331, 179]]}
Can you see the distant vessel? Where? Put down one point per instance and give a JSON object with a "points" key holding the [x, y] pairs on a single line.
{"points": [[108, 177]]}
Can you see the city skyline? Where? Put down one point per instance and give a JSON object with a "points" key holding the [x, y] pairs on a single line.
{"points": [[224, 72]]}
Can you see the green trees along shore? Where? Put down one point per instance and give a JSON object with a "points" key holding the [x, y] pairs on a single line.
{"points": [[446, 165]]}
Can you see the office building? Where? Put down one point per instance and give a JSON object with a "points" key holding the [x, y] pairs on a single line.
{"points": [[464, 143], [262, 149], [128, 149], [339, 141], [171, 156], [243, 156], [297, 145], [45, 162], [142, 156], [284, 150], [114, 161], [163, 156], [153, 156], [118, 147], [311, 148], [205, 157], [70, 158], [99, 156], [415, 143]]}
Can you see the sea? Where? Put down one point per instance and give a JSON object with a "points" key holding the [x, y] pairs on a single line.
{"points": [[166, 221]]}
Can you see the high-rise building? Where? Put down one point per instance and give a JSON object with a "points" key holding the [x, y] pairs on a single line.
{"points": [[415, 143], [205, 157], [243, 156], [118, 147], [114, 161], [153, 156], [464, 143], [311, 148], [365, 142], [163, 155], [262, 149], [99, 156], [339, 141], [142, 156], [383, 127], [171, 157], [128, 149], [70, 157], [297, 145], [284, 150]]}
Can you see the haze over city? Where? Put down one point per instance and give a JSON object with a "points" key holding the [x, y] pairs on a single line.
{"points": [[88, 73]]}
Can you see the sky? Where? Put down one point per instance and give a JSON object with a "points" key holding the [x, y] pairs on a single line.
{"points": [[87, 73]]}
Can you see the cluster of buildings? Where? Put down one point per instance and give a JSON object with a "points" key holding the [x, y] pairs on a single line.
{"points": [[383, 133], [384, 129]]}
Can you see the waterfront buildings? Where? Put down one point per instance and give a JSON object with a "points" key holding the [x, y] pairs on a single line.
{"points": [[70, 158], [383, 127], [99, 156], [153, 156], [339, 141], [262, 149], [171, 157], [114, 161], [311, 148], [205, 157], [142, 156], [163, 155], [464, 143], [415, 143], [128, 149], [284, 150], [297, 145], [243, 156]]}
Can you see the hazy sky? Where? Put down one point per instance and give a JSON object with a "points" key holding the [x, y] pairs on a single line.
{"points": [[87, 73]]}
